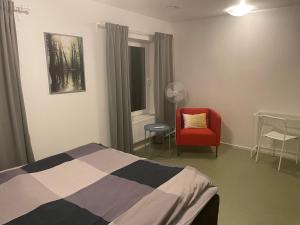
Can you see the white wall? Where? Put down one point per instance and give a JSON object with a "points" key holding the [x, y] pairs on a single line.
{"points": [[60, 122], [241, 65], [234, 65]]}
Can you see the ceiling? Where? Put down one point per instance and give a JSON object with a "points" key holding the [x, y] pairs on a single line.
{"points": [[180, 10]]}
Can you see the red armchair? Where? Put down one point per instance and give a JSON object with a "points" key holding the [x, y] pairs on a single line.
{"points": [[198, 137]]}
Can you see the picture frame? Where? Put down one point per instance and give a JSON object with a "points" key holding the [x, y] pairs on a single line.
{"points": [[65, 63]]}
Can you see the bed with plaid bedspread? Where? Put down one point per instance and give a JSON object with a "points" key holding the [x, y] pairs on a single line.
{"points": [[96, 185]]}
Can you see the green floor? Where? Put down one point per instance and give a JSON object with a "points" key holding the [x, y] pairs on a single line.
{"points": [[251, 194]]}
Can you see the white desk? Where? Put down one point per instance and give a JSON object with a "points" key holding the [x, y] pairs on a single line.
{"points": [[293, 125]]}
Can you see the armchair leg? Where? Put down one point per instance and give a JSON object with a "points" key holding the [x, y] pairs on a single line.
{"points": [[178, 150], [216, 151]]}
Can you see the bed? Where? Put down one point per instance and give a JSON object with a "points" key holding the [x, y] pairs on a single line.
{"points": [[96, 185]]}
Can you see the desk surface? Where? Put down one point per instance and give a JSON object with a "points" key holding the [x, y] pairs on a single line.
{"points": [[282, 115], [292, 121]]}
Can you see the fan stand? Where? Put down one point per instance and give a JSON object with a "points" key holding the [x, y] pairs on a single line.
{"points": [[174, 131], [172, 91]]}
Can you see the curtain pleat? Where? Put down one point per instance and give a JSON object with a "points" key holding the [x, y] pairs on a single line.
{"points": [[117, 60], [164, 110], [15, 146]]}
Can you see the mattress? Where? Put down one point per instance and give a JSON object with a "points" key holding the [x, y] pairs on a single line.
{"points": [[96, 185]]}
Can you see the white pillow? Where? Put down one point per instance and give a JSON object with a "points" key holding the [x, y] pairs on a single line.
{"points": [[195, 121]]}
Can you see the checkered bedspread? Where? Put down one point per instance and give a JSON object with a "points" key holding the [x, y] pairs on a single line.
{"points": [[95, 185]]}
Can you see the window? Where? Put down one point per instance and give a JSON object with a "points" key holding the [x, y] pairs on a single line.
{"points": [[138, 77]]}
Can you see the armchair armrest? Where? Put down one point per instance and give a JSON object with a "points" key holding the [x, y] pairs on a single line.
{"points": [[215, 124]]}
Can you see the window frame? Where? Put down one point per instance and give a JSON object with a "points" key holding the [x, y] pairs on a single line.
{"points": [[141, 44]]}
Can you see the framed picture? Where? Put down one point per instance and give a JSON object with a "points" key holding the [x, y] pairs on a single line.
{"points": [[65, 63]]}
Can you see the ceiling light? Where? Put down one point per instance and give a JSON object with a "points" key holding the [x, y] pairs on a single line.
{"points": [[240, 10]]}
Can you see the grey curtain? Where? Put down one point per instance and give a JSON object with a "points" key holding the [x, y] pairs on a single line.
{"points": [[117, 60], [164, 110], [15, 147]]}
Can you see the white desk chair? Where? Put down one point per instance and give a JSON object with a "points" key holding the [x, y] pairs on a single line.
{"points": [[278, 132]]}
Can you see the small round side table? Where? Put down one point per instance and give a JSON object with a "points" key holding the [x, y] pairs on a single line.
{"points": [[157, 128]]}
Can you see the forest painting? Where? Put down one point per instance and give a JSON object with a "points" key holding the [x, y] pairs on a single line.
{"points": [[65, 63]]}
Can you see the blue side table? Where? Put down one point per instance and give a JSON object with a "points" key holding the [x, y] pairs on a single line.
{"points": [[157, 128]]}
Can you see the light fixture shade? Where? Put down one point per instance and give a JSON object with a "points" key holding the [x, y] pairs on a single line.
{"points": [[240, 10]]}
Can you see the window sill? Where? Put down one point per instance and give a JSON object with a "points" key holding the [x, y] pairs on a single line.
{"points": [[142, 117]]}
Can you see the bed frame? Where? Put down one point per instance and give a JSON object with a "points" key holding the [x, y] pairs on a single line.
{"points": [[209, 214]]}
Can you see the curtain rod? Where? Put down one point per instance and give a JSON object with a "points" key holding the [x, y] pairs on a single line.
{"points": [[102, 26], [22, 10]]}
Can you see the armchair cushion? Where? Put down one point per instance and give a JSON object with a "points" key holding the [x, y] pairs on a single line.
{"points": [[198, 137]]}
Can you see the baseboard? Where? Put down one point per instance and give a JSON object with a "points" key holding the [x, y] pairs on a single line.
{"points": [[139, 146], [236, 146], [264, 149]]}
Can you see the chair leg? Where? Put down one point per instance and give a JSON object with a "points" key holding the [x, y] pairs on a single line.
{"points": [[273, 146], [252, 150], [297, 154], [281, 153], [216, 151], [258, 148], [178, 150]]}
